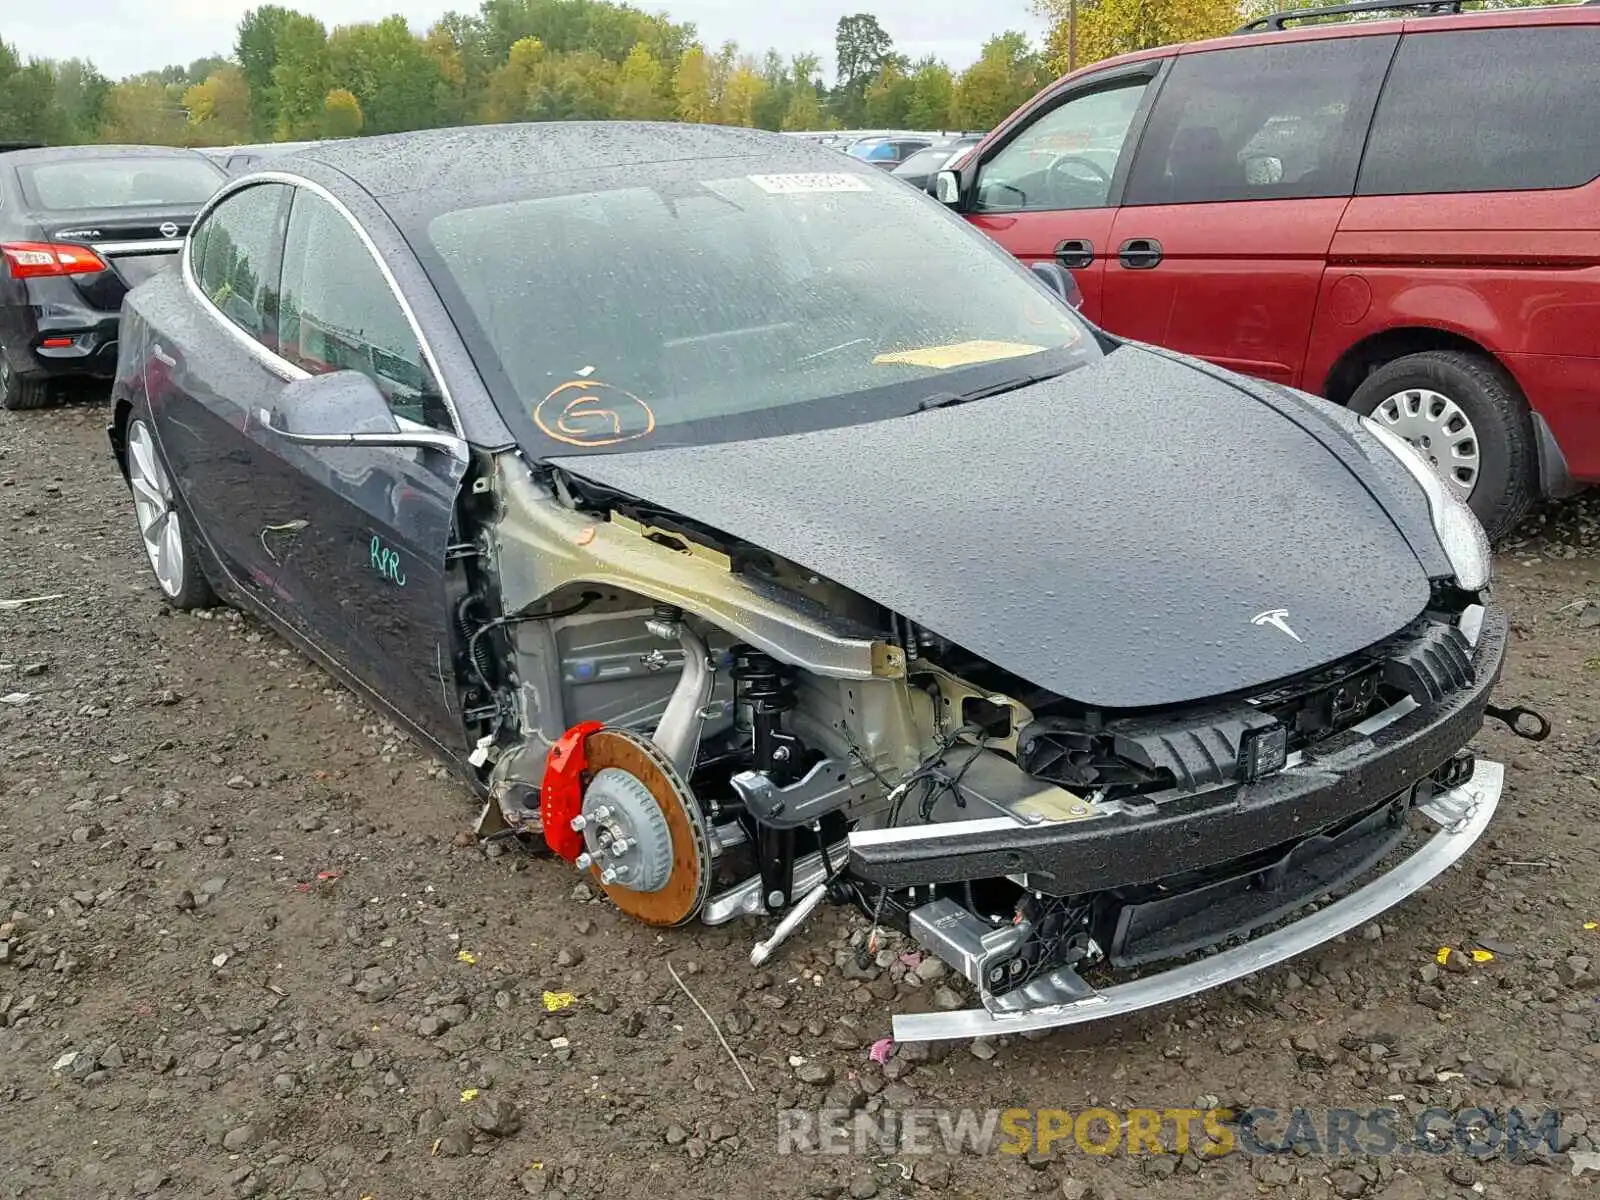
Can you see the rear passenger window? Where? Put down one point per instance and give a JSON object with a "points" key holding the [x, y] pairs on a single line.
{"points": [[340, 314], [234, 255], [1275, 122], [1488, 110]]}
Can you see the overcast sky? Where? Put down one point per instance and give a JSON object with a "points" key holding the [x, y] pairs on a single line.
{"points": [[122, 37]]}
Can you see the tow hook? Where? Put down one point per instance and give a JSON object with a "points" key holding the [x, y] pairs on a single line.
{"points": [[1513, 718]]}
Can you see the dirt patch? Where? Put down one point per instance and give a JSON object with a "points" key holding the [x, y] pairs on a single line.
{"points": [[247, 949]]}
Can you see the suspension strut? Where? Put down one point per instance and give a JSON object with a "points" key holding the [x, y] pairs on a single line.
{"points": [[766, 690]]}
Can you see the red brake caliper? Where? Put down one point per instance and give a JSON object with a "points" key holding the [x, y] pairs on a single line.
{"points": [[561, 793]]}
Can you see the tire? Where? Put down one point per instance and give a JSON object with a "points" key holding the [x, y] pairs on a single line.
{"points": [[163, 529], [17, 393], [1422, 393]]}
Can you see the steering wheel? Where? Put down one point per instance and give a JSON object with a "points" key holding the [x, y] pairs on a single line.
{"points": [[1074, 173]]}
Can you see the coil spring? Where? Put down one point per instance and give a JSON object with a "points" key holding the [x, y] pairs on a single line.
{"points": [[762, 681]]}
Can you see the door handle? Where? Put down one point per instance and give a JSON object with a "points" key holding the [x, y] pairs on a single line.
{"points": [[1075, 253], [1139, 254]]}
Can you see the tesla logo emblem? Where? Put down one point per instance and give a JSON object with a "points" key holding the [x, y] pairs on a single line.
{"points": [[1278, 618], [169, 230]]}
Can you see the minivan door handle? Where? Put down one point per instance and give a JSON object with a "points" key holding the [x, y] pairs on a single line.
{"points": [[1140, 254], [1075, 253]]}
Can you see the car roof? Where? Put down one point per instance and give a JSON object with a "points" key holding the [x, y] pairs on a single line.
{"points": [[71, 153], [540, 157]]}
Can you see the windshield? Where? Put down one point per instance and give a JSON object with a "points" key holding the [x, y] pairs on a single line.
{"points": [[121, 182], [925, 162], [712, 309]]}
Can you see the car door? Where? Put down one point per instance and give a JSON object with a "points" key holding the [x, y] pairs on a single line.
{"points": [[368, 567], [209, 370], [1243, 171], [1047, 190]]}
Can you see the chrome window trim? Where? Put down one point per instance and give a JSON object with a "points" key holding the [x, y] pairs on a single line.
{"points": [[151, 246], [270, 359]]}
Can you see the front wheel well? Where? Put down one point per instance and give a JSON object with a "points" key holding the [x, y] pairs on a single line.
{"points": [[1367, 355]]}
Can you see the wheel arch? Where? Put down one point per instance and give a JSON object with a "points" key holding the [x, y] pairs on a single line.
{"points": [[1373, 351], [1552, 479]]}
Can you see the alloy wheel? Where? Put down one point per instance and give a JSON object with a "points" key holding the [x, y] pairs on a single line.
{"points": [[152, 501], [1440, 431]]}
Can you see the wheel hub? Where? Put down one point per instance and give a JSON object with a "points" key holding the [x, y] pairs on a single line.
{"points": [[1440, 431], [625, 833], [628, 775]]}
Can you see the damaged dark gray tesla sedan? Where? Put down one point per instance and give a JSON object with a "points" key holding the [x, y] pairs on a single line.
{"points": [[752, 533]]}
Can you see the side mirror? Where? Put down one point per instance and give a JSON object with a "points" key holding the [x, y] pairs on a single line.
{"points": [[1060, 281], [947, 188], [345, 408]]}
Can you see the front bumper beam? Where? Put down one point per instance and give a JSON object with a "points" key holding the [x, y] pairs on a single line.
{"points": [[1462, 814]]}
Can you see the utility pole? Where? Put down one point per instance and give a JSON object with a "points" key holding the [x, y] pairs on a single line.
{"points": [[1072, 36]]}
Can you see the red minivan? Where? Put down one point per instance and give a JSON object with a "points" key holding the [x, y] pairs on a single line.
{"points": [[1401, 215]]}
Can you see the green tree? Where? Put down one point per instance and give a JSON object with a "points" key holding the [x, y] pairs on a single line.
{"points": [[390, 73], [861, 47], [642, 87], [341, 114], [28, 109], [143, 111], [740, 94], [219, 108], [300, 77], [888, 96], [1006, 74], [256, 48], [572, 87], [506, 92], [804, 111], [691, 87], [80, 97], [933, 92]]}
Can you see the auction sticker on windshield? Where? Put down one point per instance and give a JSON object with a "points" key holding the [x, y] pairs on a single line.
{"points": [[961, 354], [813, 181]]}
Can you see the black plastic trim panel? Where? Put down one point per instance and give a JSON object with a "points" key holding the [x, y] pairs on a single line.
{"points": [[1175, 832]]}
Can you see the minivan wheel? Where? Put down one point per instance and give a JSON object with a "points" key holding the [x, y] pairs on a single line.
{"points": [[17, 392], [1467, 417], [167, 543]]}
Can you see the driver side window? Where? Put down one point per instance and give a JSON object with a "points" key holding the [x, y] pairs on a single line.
{"points": [[1066, 158]]}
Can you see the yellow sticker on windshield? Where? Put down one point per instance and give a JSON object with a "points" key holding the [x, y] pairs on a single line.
{"points": [[961, 354]]}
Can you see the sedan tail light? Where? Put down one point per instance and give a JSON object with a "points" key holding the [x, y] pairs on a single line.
{"points": [[28, 260]]}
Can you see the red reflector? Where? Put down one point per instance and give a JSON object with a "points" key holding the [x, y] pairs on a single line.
{"points": [[29, 260], [55, 343]]}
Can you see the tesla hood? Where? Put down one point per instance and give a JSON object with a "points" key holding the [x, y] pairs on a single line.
{"points": [[1131, 534]]}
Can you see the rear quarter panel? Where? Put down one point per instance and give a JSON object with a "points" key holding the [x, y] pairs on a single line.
{"points": [[1517, 273]]}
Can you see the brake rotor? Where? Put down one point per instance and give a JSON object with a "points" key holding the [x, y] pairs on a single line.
{"points": [[688, 880]]}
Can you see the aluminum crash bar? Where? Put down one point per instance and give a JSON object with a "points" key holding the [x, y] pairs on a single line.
{"points": [[1462, 814]]}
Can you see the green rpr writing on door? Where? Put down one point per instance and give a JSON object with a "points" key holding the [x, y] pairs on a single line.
{"points": [[386, 562]]}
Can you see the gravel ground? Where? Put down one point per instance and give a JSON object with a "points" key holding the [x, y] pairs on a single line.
{"points": [[249, 948]]}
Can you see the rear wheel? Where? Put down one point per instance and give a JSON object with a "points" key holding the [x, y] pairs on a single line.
{"points": [[17, 392], [167, 542], [1467, 417]]}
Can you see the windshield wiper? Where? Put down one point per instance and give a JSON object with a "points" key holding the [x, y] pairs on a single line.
{"points": [[951, 399]]}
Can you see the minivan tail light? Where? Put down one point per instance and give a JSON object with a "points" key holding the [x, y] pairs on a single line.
{"points": [[29, 260]]}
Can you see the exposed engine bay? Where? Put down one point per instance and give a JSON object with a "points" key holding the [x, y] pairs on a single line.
{"points": [[709, 731]]}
